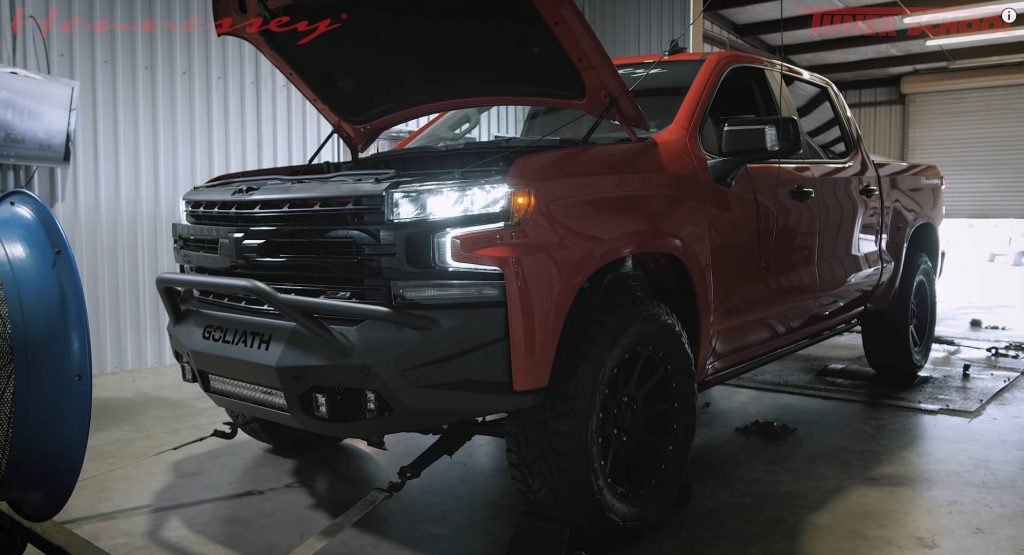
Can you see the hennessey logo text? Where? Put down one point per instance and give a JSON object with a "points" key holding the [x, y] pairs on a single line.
{"points": [[233, 336]]}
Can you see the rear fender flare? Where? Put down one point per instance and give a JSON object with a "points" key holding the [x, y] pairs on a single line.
{"points": [[903, 237]]}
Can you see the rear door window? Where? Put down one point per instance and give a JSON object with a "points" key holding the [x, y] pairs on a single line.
{"points": [[825, 136]]}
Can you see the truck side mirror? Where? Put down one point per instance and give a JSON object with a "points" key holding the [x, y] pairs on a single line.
{"points": [[749, 140]]}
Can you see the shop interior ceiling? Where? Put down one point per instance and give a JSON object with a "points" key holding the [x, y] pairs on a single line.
{"points": [[851, 53]]}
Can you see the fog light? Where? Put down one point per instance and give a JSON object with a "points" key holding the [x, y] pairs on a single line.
{"points": [[187, 374], [440, 292], [320, 405]]}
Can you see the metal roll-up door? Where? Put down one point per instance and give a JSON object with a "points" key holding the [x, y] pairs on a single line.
{"points": [[976, 138]]}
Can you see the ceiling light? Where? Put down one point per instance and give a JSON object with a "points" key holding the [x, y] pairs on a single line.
{"points": [[987, 10], [987, 61], [975, 37]]}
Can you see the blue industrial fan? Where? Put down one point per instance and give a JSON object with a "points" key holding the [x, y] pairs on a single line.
{"points": [[45, 361]]}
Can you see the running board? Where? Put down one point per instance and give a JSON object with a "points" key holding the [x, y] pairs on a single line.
{"points": [[727, 375]]}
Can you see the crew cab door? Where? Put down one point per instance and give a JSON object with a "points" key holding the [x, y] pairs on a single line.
{"points": [[847, 199], [762, 233]]}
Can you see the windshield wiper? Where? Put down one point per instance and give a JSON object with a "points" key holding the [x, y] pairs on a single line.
{"points": [[528, 140]]}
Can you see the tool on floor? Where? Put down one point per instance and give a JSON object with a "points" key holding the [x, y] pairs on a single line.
{"points": [[1001, 352], [1010, 346], [448, 443], [995, 351], [767, 429]]}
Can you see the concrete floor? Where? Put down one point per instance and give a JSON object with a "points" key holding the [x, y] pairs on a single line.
{"points": [[853, 479]]}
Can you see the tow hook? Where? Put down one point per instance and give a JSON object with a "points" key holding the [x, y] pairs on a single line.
{"points": [[231, 433]]}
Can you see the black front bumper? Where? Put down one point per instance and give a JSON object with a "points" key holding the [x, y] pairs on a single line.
{"points": [[422, 368]]}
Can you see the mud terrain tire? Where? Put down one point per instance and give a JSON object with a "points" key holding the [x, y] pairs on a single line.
{"points": [[898, 340], [623, 379]]}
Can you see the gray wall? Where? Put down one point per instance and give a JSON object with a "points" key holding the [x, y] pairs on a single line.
{"points": [[159, 112], [883, 125], [635, 27], [162, 111]]}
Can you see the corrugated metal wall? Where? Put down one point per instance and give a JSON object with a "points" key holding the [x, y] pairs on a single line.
{"points": [[721, 34], [162, 111], [159, 112], [881, 115], [635, 27], [713, 29]]}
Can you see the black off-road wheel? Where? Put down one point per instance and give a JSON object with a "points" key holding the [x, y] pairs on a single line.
{"points": [[282, 438], [898, 340], [607, 450]]}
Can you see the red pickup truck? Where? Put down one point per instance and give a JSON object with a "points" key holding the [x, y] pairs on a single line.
{"points": [[578, 243]]}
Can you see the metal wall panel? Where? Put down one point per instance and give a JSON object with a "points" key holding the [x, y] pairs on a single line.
{"points": [[713, 29], [722, 35], [975, 138], [164, 110], [883, 125], [636, 27], [159, 112]]}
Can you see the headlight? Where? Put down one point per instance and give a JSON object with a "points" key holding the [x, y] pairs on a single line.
{"points": [[435, 202], [183, 213]]}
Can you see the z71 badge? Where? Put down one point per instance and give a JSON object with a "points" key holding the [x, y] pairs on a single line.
{"points": [[234, 336]]}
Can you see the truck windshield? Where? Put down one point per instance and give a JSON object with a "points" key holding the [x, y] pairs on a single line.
{"points": [[659, 95]]}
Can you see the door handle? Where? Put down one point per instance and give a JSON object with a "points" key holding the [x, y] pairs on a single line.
{"points": [[869, 191], [802, 193]]}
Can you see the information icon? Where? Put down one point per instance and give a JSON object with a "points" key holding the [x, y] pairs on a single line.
{"points": [[1009, 15]]}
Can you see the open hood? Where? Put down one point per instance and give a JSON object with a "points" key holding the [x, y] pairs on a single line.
{"points": [[369, 65]]}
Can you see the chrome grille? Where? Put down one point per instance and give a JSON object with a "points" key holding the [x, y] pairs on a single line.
{"points": [[319, 212], [349, 282], [314, 248], [234, 301], [251, 304], [311, 247], [208, 245]]}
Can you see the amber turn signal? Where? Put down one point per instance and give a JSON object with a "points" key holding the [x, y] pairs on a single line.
{"points": [[522, 205]]}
